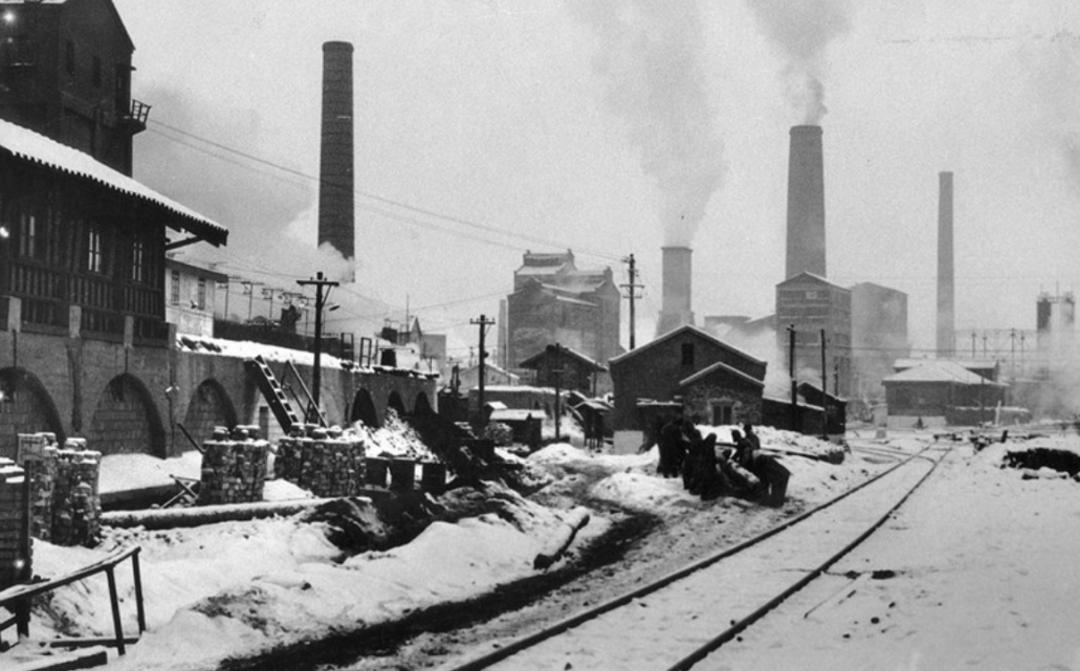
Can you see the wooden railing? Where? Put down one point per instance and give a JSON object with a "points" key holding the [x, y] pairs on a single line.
{"points": [[17, 599]]}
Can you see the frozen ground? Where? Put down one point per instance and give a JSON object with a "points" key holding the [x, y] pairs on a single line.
{"points": [[241, 588]]}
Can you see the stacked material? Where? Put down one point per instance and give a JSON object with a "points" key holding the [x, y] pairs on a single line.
{"points": [[76, 501], [322, 461], [37, 455], [233, 466], [65, 507], [14, 545]]}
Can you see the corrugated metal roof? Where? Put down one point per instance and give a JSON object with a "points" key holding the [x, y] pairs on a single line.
{"points": [[30, 146]]}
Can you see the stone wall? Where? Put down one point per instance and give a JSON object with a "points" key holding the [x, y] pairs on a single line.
{"points": [[15, 559], [65, 504], [324, 462], [233, 467]]}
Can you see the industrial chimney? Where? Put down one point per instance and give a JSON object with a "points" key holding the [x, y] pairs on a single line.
{"points": [[336, 224], [805, 203], [946, 311], [675, 303]]}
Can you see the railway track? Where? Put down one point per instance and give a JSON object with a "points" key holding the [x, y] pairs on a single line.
{"points": [[678, 620]]}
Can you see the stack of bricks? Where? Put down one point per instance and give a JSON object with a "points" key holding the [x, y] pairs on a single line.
{"points": [[233, 466], [14, 531], [322, 461], [65, 506], [76, 501]]}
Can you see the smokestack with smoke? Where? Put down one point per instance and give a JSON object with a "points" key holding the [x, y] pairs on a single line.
{"points": [[675, 306], [946, 309], [336, 222], [802, 30], [650, 59], [806, 203]]}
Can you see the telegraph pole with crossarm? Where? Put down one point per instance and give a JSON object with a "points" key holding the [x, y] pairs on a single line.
{"points": [[320, 303]]}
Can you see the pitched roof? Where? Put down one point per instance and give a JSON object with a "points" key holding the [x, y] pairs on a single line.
{"points": [[720, 365], [812, 276], [674, 332], [26, 145], [941, 371], [567, 351]]}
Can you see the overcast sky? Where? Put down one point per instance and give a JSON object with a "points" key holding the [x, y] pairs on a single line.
{"points": [[613, 127]]}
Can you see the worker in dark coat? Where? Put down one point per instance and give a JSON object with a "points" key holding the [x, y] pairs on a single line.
{"points": [[671, 445], [774, 477]]}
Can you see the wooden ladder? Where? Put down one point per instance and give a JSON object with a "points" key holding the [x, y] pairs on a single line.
{"points": [[273, 393]]}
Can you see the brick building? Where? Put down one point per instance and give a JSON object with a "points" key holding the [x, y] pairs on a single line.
{"points": [[553, 302], [65, 72], [812, 304], [711, 379]]}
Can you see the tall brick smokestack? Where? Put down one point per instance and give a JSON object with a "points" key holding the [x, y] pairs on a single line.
{"points": [[805, 203], [946, 308], [336, 223], [675, 303]]}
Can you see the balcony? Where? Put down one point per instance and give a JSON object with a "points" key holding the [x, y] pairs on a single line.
{"points": [[134, 121]]}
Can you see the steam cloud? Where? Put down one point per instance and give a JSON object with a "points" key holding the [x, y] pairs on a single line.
{"points": [[650, 58], [802, 30]]}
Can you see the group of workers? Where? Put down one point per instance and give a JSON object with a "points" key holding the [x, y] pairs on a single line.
{"points": [[710, 471]]}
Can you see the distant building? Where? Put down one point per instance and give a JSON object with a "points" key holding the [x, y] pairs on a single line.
{"points": [[190, 297], [879, 336], [565, 368], [691, 369], [554, 302], [811, 304], [65, 72], [939, 393], [469, 378]]}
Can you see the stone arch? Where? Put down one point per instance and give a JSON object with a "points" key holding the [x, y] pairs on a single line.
{"points": [[209, 406], [26, 407], [394, 401], [126, 420], [422, 406], [363, 409]]}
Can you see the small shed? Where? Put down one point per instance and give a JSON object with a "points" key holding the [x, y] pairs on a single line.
{"points": [[835, 407], [566, 368]]}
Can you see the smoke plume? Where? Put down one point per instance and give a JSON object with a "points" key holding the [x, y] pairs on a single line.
{"points": [[650, 59], [802, 30]]}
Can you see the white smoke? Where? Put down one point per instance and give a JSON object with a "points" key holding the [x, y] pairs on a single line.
{"points": [[802, 30], [651, 61]]}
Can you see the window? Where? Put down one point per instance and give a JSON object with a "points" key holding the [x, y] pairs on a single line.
{"points": [[97, 71], [94, 261], [69, 57], [28, 235], [174, 287], [138, 261], [200, 297], [688, 354]]}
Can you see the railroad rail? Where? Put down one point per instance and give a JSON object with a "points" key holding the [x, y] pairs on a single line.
{"points": [[679, 619]]}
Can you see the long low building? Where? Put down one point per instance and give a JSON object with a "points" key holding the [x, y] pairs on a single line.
{"points": [[939, 393]]}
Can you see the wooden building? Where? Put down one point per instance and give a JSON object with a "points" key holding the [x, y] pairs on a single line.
{"points": [[564, 368], [940, 393]]}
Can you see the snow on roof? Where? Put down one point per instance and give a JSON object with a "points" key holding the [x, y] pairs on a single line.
{"points": [[25, 144], [970, 364], [940, 371], [569, 351], [671, 334], [720, 365]]}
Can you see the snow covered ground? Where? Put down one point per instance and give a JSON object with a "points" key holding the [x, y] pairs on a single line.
{"points": [[242, 588]]}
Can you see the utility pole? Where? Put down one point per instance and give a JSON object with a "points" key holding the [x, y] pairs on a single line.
{"points": [[791, 373], [483, 322], [824, 395], [320, 303], [631, 293]]}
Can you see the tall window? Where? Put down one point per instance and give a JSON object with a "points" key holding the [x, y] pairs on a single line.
{"points": [[28, 235], [174, 287], [200, 297], [94, 261], [688, 354], [138, 261]]}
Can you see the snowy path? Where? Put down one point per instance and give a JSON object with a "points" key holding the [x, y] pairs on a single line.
{"points": [[658, 630], [983, 568]]}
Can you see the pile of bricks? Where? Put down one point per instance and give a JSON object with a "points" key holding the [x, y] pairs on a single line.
{"points": [[65, 506], [233, 466], [14, 543], [323, 461], [76, 501]]}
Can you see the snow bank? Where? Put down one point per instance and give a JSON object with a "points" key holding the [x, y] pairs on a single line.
{"points": [[122, 472], [395, 438]]}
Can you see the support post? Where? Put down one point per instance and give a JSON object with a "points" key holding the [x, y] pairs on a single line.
{"points": [[320, 302], [631, 293], [791, 373], [482, 323]]}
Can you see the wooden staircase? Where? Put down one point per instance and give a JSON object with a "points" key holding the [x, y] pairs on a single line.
{"points": [[274, 394]]}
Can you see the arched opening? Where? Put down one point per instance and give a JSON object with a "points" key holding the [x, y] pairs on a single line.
{"points": [[395, 403], [25, 407], [126, 421], [209, 407], [422, 406], [363, 409]]}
